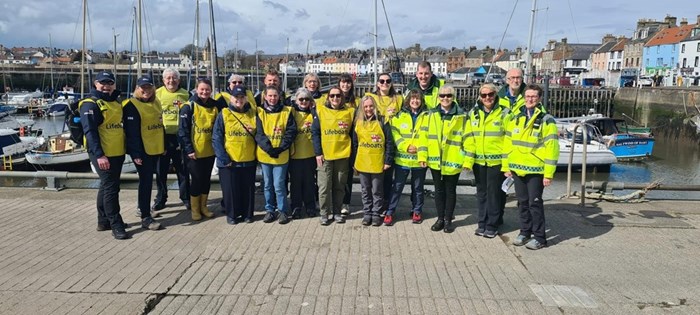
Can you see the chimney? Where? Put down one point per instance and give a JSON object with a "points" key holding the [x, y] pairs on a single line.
{"points": [[563, 40], [670, 20], [684, 22], [698, 22], [608, 38]]}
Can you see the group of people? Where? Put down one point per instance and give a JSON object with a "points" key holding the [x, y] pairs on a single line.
{"points": [[314, 142]]}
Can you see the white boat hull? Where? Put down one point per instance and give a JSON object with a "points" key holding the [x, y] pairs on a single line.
{"points": [[597, 154], [46, 158]]}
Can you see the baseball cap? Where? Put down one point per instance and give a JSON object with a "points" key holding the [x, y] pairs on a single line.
{"points": [[105, 76], [238, 91], [144, 80]]}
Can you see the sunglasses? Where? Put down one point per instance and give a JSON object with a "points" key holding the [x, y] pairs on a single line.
{"points": [[445, 95], [382, 81], [485, 95], [107, 82], [236, 82], [304, 99], [334, 95]]}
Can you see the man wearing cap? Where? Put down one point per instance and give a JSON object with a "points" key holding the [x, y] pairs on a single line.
{"points": [[171, 98], [101, 118], [144, 142], [233, 81]]}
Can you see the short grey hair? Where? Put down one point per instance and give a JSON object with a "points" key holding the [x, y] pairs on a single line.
{"points": [[171, 71], [236, 77], [302, 93]]}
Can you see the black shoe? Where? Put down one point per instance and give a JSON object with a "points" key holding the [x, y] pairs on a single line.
{"points": [[158, 206], [367, 220], [438, 225], [479, 232], [119, 233], [296, 214], [377, 220], [269, 217], [103, 227], [150, 224], [490, 234], [449, 227], [231, 220], [187, 205], [325, 221], [283, 218], [248, 220]]}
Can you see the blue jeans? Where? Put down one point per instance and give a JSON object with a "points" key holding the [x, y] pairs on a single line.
{"points": [[417, 182], [274, 183]]}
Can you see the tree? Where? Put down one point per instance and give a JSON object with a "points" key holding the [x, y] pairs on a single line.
{"points": [[188, 50]]}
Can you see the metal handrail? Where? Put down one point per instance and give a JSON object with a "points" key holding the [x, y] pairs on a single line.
{"points": [[583, 162]]}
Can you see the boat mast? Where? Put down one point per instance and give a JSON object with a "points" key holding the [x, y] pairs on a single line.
{"points": [[139, 43], [528, 76], [196, 40], [53, 89], [374, 62], [212, 45], [257, 64], [286, 65], [82, 53]]}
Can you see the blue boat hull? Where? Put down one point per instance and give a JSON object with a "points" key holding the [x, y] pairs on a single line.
{"points": [[630, 147]]}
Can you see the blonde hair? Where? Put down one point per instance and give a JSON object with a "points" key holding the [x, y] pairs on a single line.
{"points": [[360, 112]]}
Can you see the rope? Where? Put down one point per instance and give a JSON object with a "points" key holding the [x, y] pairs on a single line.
{"points": [[637, 196]]}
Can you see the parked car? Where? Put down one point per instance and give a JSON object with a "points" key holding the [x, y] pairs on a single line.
{"points": [[495, 79], [645, 81]]}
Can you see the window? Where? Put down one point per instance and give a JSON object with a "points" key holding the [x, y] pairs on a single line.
{"points": [[698, 47], [673, 63], [684, 62], [658, 49], [683, 48], [659, 62], [696, 60]]}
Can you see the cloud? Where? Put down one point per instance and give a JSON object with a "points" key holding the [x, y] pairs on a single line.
{"points": [[302, 14], [276, 5]]}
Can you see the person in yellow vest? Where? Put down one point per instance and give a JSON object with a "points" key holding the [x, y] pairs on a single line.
{"points": [[171, 98], [234, 144], [302, 163], [272, 78], [483, 144], [274, 134], [233, 81], [145, 142], [312, 83], [101, 118], [428, 83], [388, 104], [531, 146], [347, 87], [511, 94], [373, 151], [441, 150], [195, 136], [330, 132], [406, 127]]}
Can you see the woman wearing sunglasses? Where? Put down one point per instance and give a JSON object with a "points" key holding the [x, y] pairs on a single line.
{"points": [[442, 152], [330, 133], [302, 163], [483, 142]]}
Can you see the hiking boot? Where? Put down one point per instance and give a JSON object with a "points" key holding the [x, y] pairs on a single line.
{"points": [[339, 219], [269, 217], [479, 232], [120, 233], [367, 220], [388, 219], [283, 218], [149, 223], [325, 220], [534, 244], [158, 206], [490, 234], [103, 227], [417, 218], [345, 210], [438, 225], [521, 240], [376, 220], [449, 227]]}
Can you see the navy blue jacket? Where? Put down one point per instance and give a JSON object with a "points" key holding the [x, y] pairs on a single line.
{"points": [[91, 118]]}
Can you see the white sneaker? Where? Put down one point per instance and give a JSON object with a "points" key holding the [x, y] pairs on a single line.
{"points": [[345, 210]]}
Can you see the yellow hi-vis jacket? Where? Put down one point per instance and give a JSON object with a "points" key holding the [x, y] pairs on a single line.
{"points": [[406, 133], [444, 140], [239, 131], [151, 127], [531, 146], [303, 147], [170, 103], [387, 106], [203, 119], [483, 136]]}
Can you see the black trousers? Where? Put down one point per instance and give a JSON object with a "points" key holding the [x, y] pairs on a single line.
{"points": [[145, 171], [172, 154], [108, 193], [348, 183], [528, 190], [200, 173], [445, 194], [489, 196], [302, 182], [238, 190]]}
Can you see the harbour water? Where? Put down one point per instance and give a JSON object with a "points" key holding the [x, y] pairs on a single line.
{"points": [[675, 161]]}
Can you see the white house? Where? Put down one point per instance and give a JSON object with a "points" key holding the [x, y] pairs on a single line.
{"points": [[689, 58]]}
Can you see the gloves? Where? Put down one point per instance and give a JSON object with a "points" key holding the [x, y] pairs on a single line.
{"points": [[274, 153]]}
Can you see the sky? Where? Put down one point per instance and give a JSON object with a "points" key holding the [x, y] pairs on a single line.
{"points": [[322, 25]]}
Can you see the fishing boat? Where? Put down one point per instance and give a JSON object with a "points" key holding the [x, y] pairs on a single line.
{"points": [[57, 150], [13, 147], [57, 109], [598, 155], [628, 144]]}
